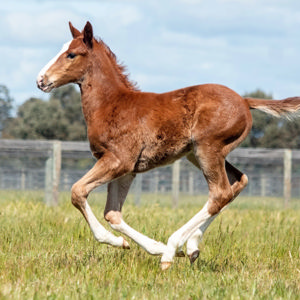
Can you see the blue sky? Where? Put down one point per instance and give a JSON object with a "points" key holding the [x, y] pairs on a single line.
{"points": [[243, 44]]}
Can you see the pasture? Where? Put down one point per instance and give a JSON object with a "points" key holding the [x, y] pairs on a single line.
{"points": [[251, 251]]}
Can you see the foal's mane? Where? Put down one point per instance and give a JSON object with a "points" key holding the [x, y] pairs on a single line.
{"points": [[119, 67]]}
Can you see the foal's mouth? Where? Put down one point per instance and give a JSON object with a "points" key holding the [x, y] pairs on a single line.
{"points": [[45, 87]]}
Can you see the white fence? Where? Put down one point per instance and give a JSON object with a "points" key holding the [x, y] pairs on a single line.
{"points": [[53, 166]]}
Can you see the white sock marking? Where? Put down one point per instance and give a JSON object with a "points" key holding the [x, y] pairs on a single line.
{"points": [[151, 246], [193, 242], [178, 238], [99, 232]]}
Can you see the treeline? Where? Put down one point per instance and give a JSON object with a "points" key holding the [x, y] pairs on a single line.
{"points": [[58, 118], [61, 118], [271, 132]]}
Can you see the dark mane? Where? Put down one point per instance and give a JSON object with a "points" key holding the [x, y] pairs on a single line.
{"points": [[120, 68]]}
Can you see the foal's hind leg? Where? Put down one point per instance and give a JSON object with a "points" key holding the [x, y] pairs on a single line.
{"points": [[117, 192], [221, 192], [238, 181], [105, 170]]}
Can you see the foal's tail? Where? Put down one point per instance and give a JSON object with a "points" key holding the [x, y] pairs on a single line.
{"points": [[289, 107]]}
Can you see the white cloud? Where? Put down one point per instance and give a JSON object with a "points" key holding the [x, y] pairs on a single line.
{"points": [[127, 16], [191, 1], [26, 28], [20, 73], [241, 43]]}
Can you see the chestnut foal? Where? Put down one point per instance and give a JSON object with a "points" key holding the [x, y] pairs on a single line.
{"points": [[132, 132]]}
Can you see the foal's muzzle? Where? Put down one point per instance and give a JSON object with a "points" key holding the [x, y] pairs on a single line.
{"points": [[44, 84]]}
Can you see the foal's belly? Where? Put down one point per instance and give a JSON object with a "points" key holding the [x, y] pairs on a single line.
{"points": [[156, 157]]}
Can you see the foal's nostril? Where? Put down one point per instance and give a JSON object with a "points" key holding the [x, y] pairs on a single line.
{"points": [[44, 84], [40, 81]]}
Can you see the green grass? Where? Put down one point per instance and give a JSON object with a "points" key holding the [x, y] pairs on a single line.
{"points": [[251, 251]]}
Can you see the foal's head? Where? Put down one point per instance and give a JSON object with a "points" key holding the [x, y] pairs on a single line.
{"points": [[71, 63]]}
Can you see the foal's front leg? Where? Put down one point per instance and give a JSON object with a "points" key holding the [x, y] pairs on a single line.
{"points": [[117, 192], [105, 170]]}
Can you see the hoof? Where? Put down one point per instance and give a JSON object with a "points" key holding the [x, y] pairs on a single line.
{"points": [[180, 254], [194, 256], [125, 244], [165, 265]]}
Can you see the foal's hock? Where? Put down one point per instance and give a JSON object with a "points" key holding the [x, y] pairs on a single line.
{"points": [[132, 131]]}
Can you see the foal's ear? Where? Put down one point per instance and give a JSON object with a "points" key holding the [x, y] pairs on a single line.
{"points": [[88, 35], [75, 32]]}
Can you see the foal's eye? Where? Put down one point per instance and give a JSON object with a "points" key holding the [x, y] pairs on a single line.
{"points": [[71, 55]]}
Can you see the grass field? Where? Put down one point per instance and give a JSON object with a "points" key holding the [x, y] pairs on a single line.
{"points": [[251, 251]]}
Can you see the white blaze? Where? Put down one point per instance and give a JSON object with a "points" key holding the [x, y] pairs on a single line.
{"points": [[53, 60]]}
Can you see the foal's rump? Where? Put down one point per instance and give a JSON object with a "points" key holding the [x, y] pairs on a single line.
{"points": [[222, 118]]}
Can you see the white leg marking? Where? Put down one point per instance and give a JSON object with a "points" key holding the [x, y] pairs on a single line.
{"points": [[52, 61], [178, 238], [194, 240], [99, 232], [151, 246]]}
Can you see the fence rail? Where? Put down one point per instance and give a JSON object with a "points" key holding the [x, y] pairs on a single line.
{"points": [[55, 165]]}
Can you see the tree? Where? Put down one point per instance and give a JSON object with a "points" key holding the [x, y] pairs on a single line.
{"points": [[61, 118], [261, 121], [38, 119], [271, 132], [70, 101], [58, 118], [291, 134], [5, 106]]}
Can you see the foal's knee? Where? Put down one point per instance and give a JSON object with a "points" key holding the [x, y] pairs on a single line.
{"points": [[78, 195]]}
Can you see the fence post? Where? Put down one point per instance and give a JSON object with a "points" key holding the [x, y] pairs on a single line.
{"points": [[263, 184], [52, 177], [138, 189], [191, 183], [287, 166], [23, 179], [175, 183]]}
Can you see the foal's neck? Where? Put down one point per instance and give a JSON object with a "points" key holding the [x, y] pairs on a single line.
{"points": [[102, 83]]}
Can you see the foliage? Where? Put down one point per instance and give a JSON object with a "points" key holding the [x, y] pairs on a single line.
{"points": [[61, 118], [249, 252], [58, 118], [270, 132], [70, 101], [38, 119], [5, 106]]}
